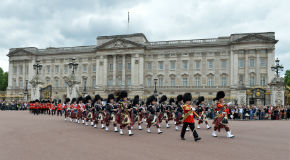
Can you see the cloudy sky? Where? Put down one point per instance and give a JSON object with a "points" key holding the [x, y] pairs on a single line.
{"points": [[57, 23]]}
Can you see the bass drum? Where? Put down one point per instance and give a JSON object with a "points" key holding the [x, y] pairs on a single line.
{"points": [[90, 115]]}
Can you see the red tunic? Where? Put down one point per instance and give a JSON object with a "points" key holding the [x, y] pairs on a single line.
{"points": [[59, 107], [189, 119]]}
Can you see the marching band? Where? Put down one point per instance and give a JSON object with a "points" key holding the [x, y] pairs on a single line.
{"points": [[119, 111]]}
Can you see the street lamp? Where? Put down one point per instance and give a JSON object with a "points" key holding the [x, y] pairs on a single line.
{"points": [[155, 83], [73, 65], [277, 68], [26, 90], [37, 67]]}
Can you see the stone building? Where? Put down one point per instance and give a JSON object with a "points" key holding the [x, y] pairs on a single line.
{"points": [[236, 64]]}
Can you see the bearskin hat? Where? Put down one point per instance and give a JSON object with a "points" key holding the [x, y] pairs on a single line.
{"points": [[123, 94], [219, 95], [171, 100], [151, 99], [87, 98], [163, 99], [97, 97], [136, 100], [110, 96], [187, 97], [199, 100], [142, 103], [73, 100], [178, 98], [80, 99], [67, 100], [36, 100], [59, 101]]}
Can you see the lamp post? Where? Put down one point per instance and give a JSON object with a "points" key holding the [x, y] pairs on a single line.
{"points": [[37, 67], [73, 65], [26, 90], [155, 90], [85, 87], [277, 68]]}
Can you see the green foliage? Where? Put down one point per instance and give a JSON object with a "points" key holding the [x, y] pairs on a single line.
{"points": [[3, 80], [287, 78]]}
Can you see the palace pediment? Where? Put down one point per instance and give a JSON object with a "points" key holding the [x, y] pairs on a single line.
{"points": [[120, 44], [19, 52], [254, 38]]}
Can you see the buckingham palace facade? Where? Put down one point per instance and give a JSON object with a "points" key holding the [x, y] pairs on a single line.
{"points": [[234, 64]]}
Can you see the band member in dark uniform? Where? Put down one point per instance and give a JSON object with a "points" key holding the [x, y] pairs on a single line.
{"points": [[152, 115], [221, 120], [188, 119], [178, 111], [168, 112], [201, 111], [160, 110], [141, 114], [110, 112], [134, 112], [66, 108], [89, 111], [124, 109], [98, 108]]}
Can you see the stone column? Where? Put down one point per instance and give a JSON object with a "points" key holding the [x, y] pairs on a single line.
{"points": [[123, 70], [247, 80], [232, 68], [98, 70], [105, 73], [141, 70], [10, 82], [270, 63], [133, 68], [257, 69], [114, 70]]}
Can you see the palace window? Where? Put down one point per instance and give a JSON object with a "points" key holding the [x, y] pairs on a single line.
{"points": [[56, 83], [129, 82], [120, 66], [263, 62], [111, 67], [129, 67], [85, 68], [252, 80], [20, 69], [94, 83], [224, 64], [185, 65], [184, 81], [48, 69], [172, 82], [241, 79], [160, 65], [197, 81], [252, 63], [94, 68], [65, 68], [172, 65], [149, 82], [210, 64], [15, 70], [56, 69], [119, 82], [224, 81], [149, 66], [197, 64], [242, 63], [27, 69], [263, 81], [210, 81], [160, 82], [110, 82], [20, 83], [14, 83]]}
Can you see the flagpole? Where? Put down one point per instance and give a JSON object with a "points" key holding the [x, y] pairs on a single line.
{"points": [[128, 22]]}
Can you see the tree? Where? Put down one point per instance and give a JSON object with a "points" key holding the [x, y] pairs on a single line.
{"points": [[287, 78], [3, 80]]}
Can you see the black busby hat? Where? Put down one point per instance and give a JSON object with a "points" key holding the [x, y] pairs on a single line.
{"points": [[163, 99], [110, 96], [136, 100], [199, 100], [88, 97], [123, 94], [178, 98], [59, 101], [187, 97], [219, 95], [67, 100], [73, 100], [97, 97], [151, 99], [171, 100], [142, 103], [80, 99], [36, 100]]}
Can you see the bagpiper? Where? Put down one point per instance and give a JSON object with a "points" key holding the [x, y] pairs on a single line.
{"points": [[178, 111], [124, 109], [160, 110], [221, 120], [141, 114], [98, 109], [188, 119], [74, 111], [90, 112], [66, 108], [201, 111], [168, 112], [111, 109], [81, 109], [152, 117]]}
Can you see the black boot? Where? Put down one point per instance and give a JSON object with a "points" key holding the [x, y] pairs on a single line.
{"points": [[197, 139]]}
